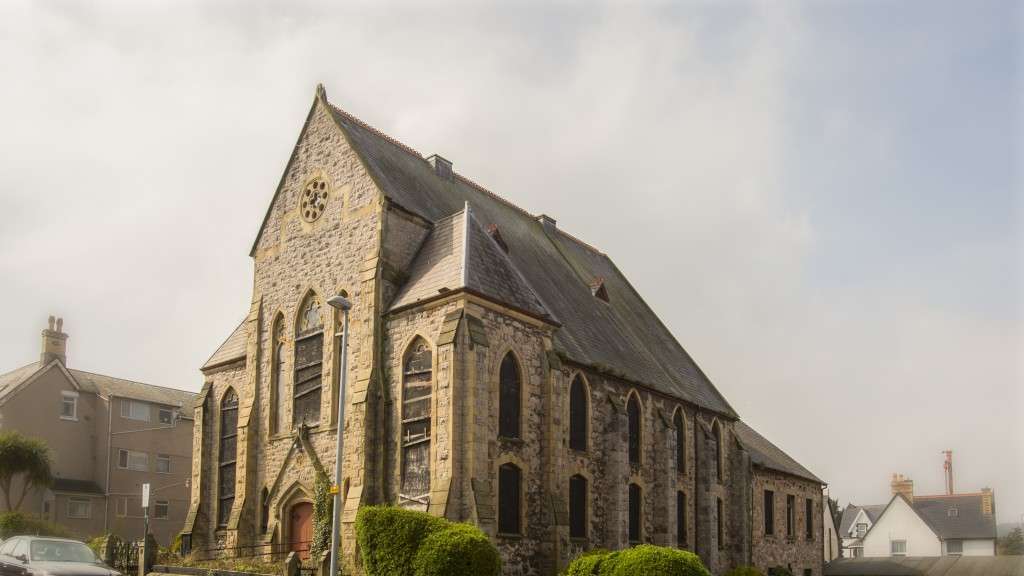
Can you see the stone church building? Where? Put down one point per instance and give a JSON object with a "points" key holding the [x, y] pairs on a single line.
{"points": [[501, 372]]}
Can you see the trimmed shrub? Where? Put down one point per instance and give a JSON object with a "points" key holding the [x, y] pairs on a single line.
{"points": [[19, 524], [638, 561], [744, 571], [389, 537], [457, 550]]}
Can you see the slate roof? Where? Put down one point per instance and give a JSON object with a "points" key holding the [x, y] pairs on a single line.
{"points": [[928, 566], [76, 486], [969, 523], [767, 455], [459, 255], [850, 512], [623, 334], [104, 385], [231, 349]]}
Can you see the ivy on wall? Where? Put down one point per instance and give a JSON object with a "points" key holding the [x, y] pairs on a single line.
{"points": [[322, 508]]}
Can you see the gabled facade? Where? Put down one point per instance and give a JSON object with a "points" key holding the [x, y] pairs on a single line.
{"points": [[501, 372], [107, 437]]}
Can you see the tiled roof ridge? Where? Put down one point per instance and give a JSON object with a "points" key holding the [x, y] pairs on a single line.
{"points": [[940, 496], [73, 370], [377, 132]]}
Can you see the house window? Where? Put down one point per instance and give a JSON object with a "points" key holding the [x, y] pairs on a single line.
{"points": [[132, 460], [681, 536], [509, 506], [954, 547], [79, 507], [166, 416], [635, 504], [135, 410], [160, 508], [417, 395], [69, 406], [899, 547], [634, 416], [309, 364], [809, 516], [509, 397], [278, 392], [720, 523], [858, 552], [862, 529], [227, 455], [578, 409], [953, 512], [121, 507], [163, 463], [718, 451], [680, 426], [790, 515], [577, 507], [769, 512]]}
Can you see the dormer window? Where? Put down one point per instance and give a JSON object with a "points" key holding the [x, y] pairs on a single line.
{"points": [[598, 290], [495, 234], [862, 529], [953, 512]]}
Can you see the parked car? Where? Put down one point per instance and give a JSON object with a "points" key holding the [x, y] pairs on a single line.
{"points": [[45, 556]]}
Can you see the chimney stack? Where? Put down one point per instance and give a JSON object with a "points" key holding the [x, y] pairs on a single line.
{"points": [[948, 466], [55, 342], [442, 167], [987, 502], [902, 485]]}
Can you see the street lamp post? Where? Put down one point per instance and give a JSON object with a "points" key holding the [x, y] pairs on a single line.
{"points": [[344, 305]]}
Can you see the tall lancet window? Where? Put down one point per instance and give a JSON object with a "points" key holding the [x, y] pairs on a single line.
{"points": [[509, 398], [309, 363], [633, 414], [279, 380], [226, 455], [417, 397], [680, 426]]}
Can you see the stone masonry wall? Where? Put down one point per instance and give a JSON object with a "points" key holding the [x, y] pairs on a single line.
{"points": [[797, 552]]}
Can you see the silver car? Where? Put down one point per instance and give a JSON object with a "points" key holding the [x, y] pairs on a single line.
{"points": [[46, 556]]}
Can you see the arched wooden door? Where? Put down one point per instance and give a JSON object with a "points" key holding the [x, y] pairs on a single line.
{"points": [[300, 532]]}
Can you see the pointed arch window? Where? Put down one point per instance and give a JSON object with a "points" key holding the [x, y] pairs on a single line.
{"points": [[634, 416], [509, 499], [510, 391], [309, 363], [264, 510], [578, 414], [226, 455], [717, 441], [635, 506], [417, 396], [577, 507], [681, 535], [680, 426], [278, 384]]}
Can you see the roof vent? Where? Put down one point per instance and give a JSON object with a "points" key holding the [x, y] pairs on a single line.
{"points": [[546, 221], [494, 233], [598, 290], [442, 167]]}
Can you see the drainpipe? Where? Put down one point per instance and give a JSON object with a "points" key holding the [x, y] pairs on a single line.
{"points": [[110, 446]]}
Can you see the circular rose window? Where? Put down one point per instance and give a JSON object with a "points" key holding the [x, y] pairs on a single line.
{"points": [[314, 199]]}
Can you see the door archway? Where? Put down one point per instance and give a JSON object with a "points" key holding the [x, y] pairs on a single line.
{"points": [[300, 529]]}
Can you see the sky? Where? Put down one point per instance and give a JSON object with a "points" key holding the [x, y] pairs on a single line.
{"points": [[822, 200]]}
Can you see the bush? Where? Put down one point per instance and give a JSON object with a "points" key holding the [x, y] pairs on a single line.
{"points": [[638, 561], [19, 524], [457, 550], [388, 538], [744, 571], [779, 571]]}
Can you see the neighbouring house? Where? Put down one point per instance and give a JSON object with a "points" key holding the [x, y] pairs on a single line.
{"points": [[922, 526], [854, 524], [500, 372], [107, 437], [831, 542]]}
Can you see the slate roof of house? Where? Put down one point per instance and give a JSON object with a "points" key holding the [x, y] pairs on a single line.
{"points": [[623, 334], [767, 455], [928, 566], [76, 486], [103, 385], [969, 522], [458, 254], [850, 512], [231, 349]]}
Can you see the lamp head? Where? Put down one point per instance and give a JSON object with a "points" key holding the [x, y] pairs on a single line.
{"points": [[339, 302]]}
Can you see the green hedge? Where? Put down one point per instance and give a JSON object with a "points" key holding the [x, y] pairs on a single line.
{"points": [[19, 524], [394, 541], [638, 561], [744, 571]]}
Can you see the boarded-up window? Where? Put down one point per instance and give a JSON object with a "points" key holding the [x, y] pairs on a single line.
{"points": [[578, 402], [577, 507], [633, 413], [680, 426], [417, 398], [681, 535], [309, 363], [226, 455], [509, 398], [635, 505], [509, 490]]}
